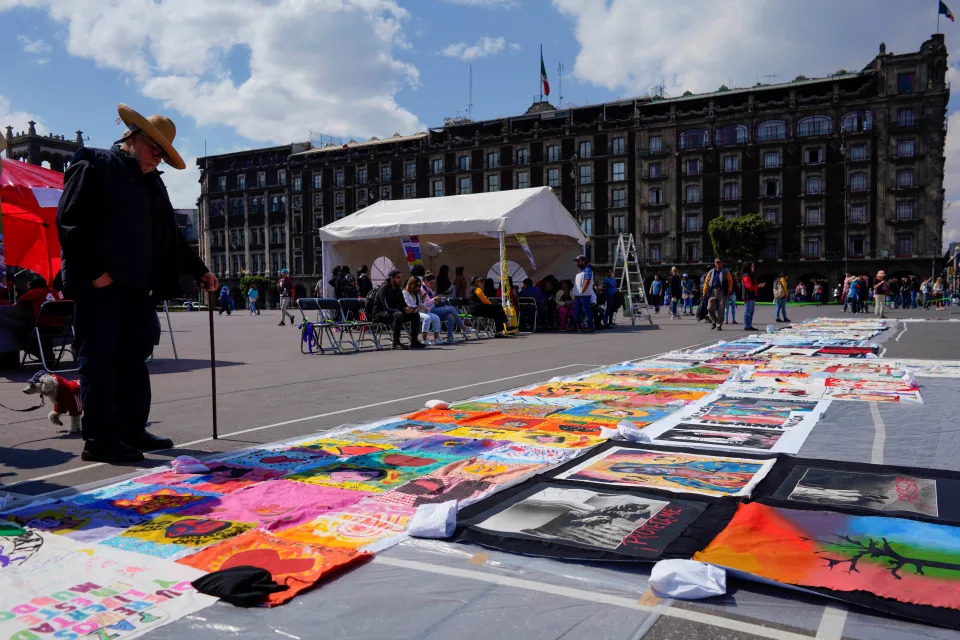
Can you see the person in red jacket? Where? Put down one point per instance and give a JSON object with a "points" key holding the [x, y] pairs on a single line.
{"points": [[750, 291]]}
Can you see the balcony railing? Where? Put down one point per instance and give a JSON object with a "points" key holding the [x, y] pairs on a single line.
{"points": [[660, 176], [649, 152]]}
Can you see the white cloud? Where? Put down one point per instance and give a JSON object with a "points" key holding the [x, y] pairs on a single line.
{"points": [[36, 47], [326, 65], [18, 119], [485, 46], [493, 4]]}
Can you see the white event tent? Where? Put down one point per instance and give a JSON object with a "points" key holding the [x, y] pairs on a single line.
{"points": [[465, 230]]}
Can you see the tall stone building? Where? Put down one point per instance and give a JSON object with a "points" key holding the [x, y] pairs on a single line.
{"points": [[848, 170], [33, 148]]}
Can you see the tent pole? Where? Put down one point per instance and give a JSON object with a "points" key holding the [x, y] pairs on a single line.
{"points": [[503, 264], [173, 342], [213, 364], [323, 268]]}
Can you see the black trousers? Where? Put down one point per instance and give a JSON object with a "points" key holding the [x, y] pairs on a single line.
{"points": [[395, 320], [116, 332], [493, 311]]}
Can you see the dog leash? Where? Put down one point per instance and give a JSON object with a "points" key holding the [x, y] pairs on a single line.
{"points": [[33, 408]]}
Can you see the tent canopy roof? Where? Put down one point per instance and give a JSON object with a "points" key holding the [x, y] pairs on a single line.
{"points": [[533, 211]]}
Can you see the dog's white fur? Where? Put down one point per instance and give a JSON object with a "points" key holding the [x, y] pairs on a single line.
{"points": [[47, 388]]}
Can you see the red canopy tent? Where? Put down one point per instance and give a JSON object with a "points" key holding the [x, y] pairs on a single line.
{"points": [[28, 201]]}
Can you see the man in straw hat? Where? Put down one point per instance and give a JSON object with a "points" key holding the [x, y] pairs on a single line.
{"points": [[122, 253]]}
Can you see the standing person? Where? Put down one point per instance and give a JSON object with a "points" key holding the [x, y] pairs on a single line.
{"points": [[676, 292], [225, 303], [413, 300], [459, 283], [880, 290], [927, 290], [845, 290], [866, 292], [364, 284], [252, 295], [583, 294], [481, 306], [853, 295], [717, 285], [437, 306], [610, 290], [751, 289], [818, 293], [334, 281], [285, 289], [656, 292], [122, 253], [730, 315], [390, 309], [938, 292], [799, 292], [894, 299], [443, 280], [780, 293], [914, 291], [686, 285]]}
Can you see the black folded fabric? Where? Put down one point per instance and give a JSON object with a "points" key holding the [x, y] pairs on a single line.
{"points": [[242, 586]]}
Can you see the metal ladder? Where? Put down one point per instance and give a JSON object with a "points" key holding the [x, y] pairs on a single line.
{"points": [[626, 270]]}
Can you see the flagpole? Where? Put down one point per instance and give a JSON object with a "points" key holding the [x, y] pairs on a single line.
{"points": [[540, 76]]}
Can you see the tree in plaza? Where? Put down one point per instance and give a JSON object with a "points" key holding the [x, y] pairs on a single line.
{"points": [[262, 284], [738, 240]]}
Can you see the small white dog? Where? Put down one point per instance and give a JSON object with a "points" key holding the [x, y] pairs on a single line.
{"points": [[63, 393]]}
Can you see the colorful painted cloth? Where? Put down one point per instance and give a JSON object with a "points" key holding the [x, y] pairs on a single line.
{"points": [[173, 536], [344, 448], [222, 478], [367, 525], [78, 522], [452, 445], [284, 458], [373, 472], [297, 565], [447, 416]]}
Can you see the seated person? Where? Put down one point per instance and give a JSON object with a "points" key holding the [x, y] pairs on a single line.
{"points": [[411, 296], [390, 309], [481, 306], [432, 302], [564, 299], [530, 290]]}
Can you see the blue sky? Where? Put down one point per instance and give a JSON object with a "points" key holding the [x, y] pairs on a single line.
{"points": [[247, 73]]}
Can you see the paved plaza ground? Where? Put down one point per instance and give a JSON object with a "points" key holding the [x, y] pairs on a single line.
{"points": [[268, 392]]}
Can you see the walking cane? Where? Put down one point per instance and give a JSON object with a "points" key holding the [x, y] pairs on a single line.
{"points": [[213, 363]]}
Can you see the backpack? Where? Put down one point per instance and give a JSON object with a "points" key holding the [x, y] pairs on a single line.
{"points": [[778, 291], [368, 303]]}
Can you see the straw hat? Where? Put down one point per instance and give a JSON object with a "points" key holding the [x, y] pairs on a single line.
{"points": [[160, 129]]}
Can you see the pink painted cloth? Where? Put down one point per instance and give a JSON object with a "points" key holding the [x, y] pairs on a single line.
{"points": [[219, 478], [277, 504]]}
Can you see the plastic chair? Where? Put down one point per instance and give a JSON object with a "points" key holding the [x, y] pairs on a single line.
{"points": [[53, 324], [353, 318], [527, 314], [313, 330], [469, 324]]}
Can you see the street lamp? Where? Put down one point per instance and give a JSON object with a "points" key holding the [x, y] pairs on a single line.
{"points": [[575, 176], [846, 200]]}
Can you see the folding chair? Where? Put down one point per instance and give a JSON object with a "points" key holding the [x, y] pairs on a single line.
{"points": [[54, 324], [468, 322], [333, 321], [353, 318], [527, 315], [312, 330]]}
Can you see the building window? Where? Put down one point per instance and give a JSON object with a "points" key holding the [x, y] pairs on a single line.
{"points": [[587, 225], [904, 245], [856, 246], [655, 224], [523, 179], [731, 134], [655, 253], [905, 178], [905, 117], [437, 188], [655, 196], [693, 252], [493, 182], [858, 152], [813, 216], [812, 246], [656, 143], [654, 170], [339, 214], [731, 191], [693, 139], [905, 82], [813, 156], [338, 197], [317, 180], [297, 201], [318, 221], [905, 210], [617, 146], [586, 174], [814, 185], [618, 198], [858, 213], [691, 222], [771, 188], [772, 250], [586, 200], [463, 163], [275, 203], [297, 264], [585, 149], [771, 130], [905, 148], [553, 153], [261, 179], [281, 177], [222, 183], [731, 163], [493, 160], [410, 170], [693, 193], [814, 126], [437, 166], [858, 182], [297, 183], [317, 200], [619, 171], [385, 174], [409, 191], [464, 186], [693, 166], [523, 156], [618, 224], [236, 207], [553, 177], [385, 193], [242, 181], [361, 175], [771, 160], [361, 195], [857, 121], [771, 215], [338, 178]]}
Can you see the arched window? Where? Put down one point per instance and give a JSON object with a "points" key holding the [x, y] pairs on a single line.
{"points": [[379, 269], [857, 121], [274, 203], [814, 126], [771, 130], [693, 139], [516, 272], [814, 185], [731, 134]]}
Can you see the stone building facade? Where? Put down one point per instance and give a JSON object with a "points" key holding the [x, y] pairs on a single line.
{"points": [[33, 148], [848, 170]]}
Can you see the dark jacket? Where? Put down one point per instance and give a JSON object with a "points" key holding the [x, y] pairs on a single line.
{"points": [[364, 285], [675, 289], [114, 219], [388, 299]]}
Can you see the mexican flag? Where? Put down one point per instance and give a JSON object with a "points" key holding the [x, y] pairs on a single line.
{"points": [[943, 10], [543, 76]]}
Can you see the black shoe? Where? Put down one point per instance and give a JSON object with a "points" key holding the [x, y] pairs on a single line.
{"points": [[109, 452], [417, 345], [786, 320], [719, 327], [397, 345], [146, 441], [734, 322], [714, 326], [281, 324], [749, 329]]}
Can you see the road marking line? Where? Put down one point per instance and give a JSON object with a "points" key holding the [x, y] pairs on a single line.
{"points": [[832, 622], [879, 434], [594, 597], [903, 331]]}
